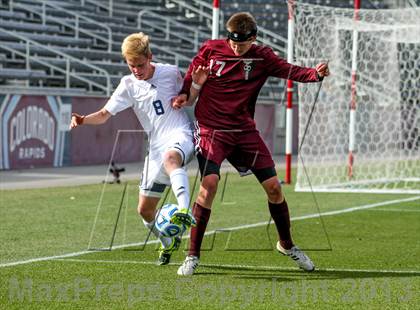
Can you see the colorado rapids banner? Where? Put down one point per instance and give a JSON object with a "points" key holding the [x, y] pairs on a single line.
{"points": [[34, 132], [30, 131]]}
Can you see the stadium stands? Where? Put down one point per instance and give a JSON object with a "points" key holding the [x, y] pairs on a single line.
{"points": [[272, 14], [69, 53], [75, 45], [63, 31]]}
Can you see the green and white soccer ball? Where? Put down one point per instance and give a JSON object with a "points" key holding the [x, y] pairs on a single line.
{"points": [[163, 221]]}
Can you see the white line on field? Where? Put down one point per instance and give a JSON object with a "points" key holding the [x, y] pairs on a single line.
{"points": [[44, 175], [297, 218], [250, 267], [395, 210]]}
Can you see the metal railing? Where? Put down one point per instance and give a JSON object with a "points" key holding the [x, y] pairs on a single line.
{"points": [[199, 9], [176, 56], [268, 37], [100, 4], [197, 34], [412, 3], [43, 13], [265, 36], [68, 73]]}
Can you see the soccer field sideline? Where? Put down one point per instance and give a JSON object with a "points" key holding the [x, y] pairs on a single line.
{"points": [[92, 174], [250, 267], [303, 217]]}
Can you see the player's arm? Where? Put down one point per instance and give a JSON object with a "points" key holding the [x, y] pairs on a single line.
{"points": [[282, 69], [305, 74], [95, 118], [199, 77], [189, 93], [119, 101]]}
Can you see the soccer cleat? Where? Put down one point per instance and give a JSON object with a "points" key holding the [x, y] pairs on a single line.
{"points": [[183, 217], [188, 266], [165, 253], [301, 259]]}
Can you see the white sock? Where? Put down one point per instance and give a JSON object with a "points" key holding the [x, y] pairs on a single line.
{"points": [[166, 241], [181, 187]]}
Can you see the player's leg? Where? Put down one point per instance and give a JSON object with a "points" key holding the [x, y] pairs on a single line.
{"points": [[253, 149], [147, 210], [279, 211], [179, 151], [173, 162], [201, 212], [277, 205], [152, 186], [212, 148], [253, 153]]}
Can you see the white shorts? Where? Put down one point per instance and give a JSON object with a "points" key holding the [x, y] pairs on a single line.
{"points": [[154, 178]]}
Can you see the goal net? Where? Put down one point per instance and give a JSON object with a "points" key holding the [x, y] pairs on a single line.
{"points": [[364, 131]]}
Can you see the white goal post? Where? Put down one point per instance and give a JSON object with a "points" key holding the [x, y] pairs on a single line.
{"points": [[364, 133]]}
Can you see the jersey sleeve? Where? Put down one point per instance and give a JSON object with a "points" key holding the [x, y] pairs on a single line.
{"points": [[178, 81], [120, 99], [280, 68], [200, 59]]}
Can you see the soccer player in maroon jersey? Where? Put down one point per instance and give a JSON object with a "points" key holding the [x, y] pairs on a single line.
{"points": [[233, 70]]}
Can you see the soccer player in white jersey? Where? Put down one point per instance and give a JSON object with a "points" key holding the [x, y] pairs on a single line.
{"points": [[149, 91]]}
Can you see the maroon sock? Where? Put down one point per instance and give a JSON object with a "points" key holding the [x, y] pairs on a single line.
{"points": [[201, 216], [280, 214]]}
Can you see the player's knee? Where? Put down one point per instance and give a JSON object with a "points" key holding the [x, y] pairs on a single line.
{"points": [[172, 160], [210, 183], [140, 210], [208, 187], [274, 192], [146, 213]]}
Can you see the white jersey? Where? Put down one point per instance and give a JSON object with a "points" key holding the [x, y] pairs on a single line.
{"points": [[167, 128], [151, 102]]}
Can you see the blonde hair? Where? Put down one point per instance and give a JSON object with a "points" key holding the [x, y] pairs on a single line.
{"points": [[135, 45]]}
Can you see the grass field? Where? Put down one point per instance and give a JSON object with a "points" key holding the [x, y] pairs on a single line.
{"points": [[372, 263]]}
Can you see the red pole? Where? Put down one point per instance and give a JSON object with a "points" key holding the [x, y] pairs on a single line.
{"points": [[352, 124], [289, 106], [216, 20], [356, 9]]}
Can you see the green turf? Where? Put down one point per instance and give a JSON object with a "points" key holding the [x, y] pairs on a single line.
{"points": [[374, 253]]}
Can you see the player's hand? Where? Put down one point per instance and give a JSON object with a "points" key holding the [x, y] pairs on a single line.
{"points": [[179, 101], [200, 74], [322, 69], [76, 120]]}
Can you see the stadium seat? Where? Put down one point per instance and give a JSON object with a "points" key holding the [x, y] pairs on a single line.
{"points": [[62, 38]]}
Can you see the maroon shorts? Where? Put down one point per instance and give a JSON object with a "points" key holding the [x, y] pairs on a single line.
{"points": [[243, 149]]}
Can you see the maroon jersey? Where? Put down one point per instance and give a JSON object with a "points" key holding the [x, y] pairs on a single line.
{"points": [[227, 99]]}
